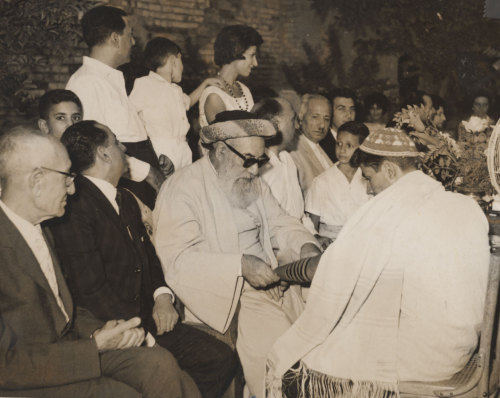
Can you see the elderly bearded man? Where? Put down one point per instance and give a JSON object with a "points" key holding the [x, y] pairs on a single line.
{"points": [[399, 295], [216, 226]]}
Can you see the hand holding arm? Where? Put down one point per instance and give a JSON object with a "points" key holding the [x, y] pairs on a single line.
{"points": [[155, 178], [257, 272], [194, 97]]}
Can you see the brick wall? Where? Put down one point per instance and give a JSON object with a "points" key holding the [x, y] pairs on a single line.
{"points": [[284, 24]]}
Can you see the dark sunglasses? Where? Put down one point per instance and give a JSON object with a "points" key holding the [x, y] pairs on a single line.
{"points": [[69, 176], [249, 160]]}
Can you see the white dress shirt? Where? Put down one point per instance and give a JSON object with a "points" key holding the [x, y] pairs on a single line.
{"points": [[162, 108], [101, 90], [281, 176], [320, 154], [33, 236], [334, 199]]}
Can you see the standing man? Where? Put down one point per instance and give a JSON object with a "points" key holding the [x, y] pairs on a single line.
{"points": [[101, 89], [216, 228], [48, 348], [111, 265], [343, 110]]}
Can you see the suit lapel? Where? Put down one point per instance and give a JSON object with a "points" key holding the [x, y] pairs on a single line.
{"points": [[86, 187], [11, 237]]}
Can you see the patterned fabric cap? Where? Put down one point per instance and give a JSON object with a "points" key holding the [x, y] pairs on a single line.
{"points": [[389, 142], [222, 131]]}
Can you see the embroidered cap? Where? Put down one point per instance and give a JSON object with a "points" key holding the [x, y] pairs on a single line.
{"points": [[236, 124], [389, 142]]}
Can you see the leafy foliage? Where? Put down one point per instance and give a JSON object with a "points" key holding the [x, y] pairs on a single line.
{"points": [[444, 36], [32, 33]]}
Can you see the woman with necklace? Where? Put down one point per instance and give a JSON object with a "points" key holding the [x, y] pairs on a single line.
{"points": [[235, 51]]}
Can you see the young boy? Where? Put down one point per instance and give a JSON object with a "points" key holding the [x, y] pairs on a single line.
{"points": [[338, 192], [58, 109], [162, 104]]}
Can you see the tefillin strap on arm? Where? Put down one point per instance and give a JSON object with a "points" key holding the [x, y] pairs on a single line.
{"points": [[296, 272]]}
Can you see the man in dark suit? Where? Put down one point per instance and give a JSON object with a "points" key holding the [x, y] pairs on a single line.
{"points": [[48, 348], [111, 265], [343, 110]]}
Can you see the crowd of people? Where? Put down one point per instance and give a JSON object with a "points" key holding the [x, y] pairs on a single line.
{"points": [[296, 242]]}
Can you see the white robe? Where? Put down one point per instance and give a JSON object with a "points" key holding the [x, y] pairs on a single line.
{"points": [[196, 239]]}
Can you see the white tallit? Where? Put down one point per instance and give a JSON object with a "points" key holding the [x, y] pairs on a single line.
{"points": [[349, 338]]}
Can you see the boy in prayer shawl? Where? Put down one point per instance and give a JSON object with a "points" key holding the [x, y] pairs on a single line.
{"points": [[398, 296]]}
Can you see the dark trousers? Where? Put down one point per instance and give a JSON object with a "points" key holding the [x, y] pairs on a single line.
{"points": [[142, 150], [210, 362], [131, 373]]}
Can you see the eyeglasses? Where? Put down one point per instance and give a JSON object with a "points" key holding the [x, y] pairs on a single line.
{"points": [[70, 177], [249, 160]]}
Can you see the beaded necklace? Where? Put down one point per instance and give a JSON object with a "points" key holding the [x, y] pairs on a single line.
{"points": [[231, 92]]}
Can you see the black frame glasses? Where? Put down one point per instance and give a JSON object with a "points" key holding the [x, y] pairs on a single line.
{"points": [[249, 160], [70, 177]]}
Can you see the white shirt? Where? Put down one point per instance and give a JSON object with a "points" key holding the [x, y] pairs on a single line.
{"points": [[33, 236], [101, 90], [281, 176], [162, 109], [320, 154], [334, 133], [334, 199], [109, 191]]}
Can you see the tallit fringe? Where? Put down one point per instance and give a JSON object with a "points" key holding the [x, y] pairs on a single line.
{"points": [[314, 384]]}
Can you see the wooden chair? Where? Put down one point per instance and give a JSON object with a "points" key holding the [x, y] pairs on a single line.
{"points": [[480, 377]]}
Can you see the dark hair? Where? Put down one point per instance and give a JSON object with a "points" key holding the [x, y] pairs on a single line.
{"points": [[99, 22], [355, 128], [437, 102], [376, 98], [54, 97], [81, 141], [360, 158], [268, 109], [414, 98], [343, 92], [157, 50], [232, 41], [480, 93]]}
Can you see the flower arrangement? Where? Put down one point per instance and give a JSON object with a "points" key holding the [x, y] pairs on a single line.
{"points": [[440, 152], [461, 165]]}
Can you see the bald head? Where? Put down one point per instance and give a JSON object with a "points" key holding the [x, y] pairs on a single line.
{"points": [[33, 168]]}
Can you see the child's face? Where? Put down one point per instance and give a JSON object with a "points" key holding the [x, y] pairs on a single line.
{"points": [[177, 68], [347, 143], [61, 116]]}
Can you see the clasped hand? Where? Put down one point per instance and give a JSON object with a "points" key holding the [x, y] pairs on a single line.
{"points": [[119, 334]]}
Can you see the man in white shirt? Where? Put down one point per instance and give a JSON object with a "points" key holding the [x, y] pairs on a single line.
{"points": [[343, 111], [111, 265], [281, 173], [48, 348], [101, 89], [314, 121]]}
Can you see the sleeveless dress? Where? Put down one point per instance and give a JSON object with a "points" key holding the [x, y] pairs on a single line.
{"points": [[231, 103]]}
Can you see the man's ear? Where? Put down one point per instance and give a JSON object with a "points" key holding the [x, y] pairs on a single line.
{"points": [[102, 153], [391, 170], [43, 126], [114, 39], [34, 181]]}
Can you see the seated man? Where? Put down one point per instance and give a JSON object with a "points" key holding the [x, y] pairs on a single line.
{"points": [[47, 349], [399, 295], [314, 121], [111, 265], [280, 173], [216, 225]]}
